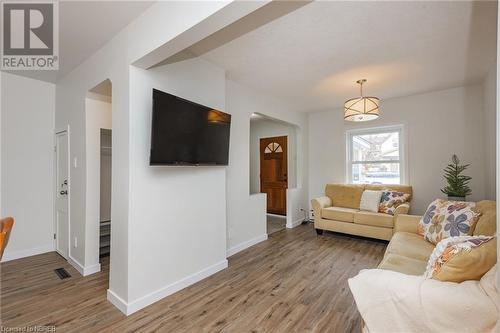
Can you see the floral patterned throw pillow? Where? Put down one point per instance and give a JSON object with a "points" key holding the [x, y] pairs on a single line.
{"points": [[445, 219], [445, 265], [390, 200]]}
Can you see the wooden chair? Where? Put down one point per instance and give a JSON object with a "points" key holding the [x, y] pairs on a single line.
{"points": [[5, 229]]}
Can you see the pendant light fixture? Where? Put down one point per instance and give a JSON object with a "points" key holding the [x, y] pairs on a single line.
{"points": [[361, 108]]}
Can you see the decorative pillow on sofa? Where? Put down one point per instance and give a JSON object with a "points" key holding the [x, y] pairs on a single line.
{"points": [[370, 200], [457, 259], [390, 200], [445, 219]]}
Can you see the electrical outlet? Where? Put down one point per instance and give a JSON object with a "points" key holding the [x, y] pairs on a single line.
{"points": [[75, 243]]}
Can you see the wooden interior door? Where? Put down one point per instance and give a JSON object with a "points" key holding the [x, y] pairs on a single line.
{"points": [[274, 173]]}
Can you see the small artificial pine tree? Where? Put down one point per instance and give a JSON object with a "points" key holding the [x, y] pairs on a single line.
{"points": [[458, 184]]}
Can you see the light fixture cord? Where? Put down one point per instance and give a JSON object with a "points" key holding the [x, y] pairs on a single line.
{"points": [[361, 88]]}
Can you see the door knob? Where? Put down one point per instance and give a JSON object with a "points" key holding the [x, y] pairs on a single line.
{"points": [[63, 193]]}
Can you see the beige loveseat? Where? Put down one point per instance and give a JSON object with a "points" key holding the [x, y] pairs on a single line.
{"points": [[339, 211], [408, 252]]}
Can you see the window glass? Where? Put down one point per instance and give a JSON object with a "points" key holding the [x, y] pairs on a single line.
{"points": [[375, 157]]}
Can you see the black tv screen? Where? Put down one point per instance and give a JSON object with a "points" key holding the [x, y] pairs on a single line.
{"points": [[187, 133]]}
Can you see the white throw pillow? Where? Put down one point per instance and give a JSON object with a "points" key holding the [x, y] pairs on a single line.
{"points": [[370, 201]]}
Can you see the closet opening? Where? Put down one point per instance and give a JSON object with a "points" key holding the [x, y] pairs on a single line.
{"points": [[99, 155], [105, 194]]}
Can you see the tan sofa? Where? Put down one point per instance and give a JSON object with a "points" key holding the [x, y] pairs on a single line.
{"points": [[408, 252], [339, 211]]}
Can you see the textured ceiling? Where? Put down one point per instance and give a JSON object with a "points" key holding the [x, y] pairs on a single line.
{"points": [[85, 27], [313, 55]]}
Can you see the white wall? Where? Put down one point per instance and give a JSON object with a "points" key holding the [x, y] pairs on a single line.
{"points": [[27, 150], [177, 214], [71, 110], [266, 128], [437, 124], [161, 23], [97, 115], [246, 213], [490, 127]]}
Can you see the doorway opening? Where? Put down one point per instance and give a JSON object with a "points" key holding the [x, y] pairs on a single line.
{"points": [[105, 194], [99, 150], [273, 166], [273, 155]]}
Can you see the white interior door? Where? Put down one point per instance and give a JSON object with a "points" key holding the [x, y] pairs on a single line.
{"points": [[61, 201]]}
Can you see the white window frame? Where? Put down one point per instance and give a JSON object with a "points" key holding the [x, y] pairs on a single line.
{"points": [[374, 130]]}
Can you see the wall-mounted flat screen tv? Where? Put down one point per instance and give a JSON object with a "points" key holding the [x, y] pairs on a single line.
{"points": [[187, 133]]}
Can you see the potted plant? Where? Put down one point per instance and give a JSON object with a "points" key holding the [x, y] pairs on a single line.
{"points": [[458, 184]]}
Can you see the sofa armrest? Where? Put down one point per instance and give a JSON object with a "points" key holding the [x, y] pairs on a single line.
{"points": [[402, 209], [406, 223], [318, 204], [321, 202]]}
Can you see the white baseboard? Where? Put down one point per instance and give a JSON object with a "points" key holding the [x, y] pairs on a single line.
{"points": [[138, 304], [245, 245], [119, 303], [294, 224], [82, 269], [50, 248], [13, 255], [91, 269], [73, 262]]}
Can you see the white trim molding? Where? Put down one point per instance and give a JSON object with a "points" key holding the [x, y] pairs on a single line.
{"points": [[117, 301], [84, 271], [245, 245], [294, 224], [13, 255], [88, 270], [138, 304], [73, 262]]}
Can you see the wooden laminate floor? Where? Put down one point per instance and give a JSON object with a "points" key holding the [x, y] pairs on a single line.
{"points": [[293, 282]]}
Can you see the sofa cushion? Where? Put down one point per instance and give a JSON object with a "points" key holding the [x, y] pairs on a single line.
{"points": [[370, 201], [402, 264], [374, 219], [345, 195], [487, 223], [410, 245], [445, 218], [462, 258], [338, 214], [390, 200]]}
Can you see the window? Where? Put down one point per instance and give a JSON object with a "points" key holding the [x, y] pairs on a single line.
{"points": [[273, 147], [375, 156]]}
